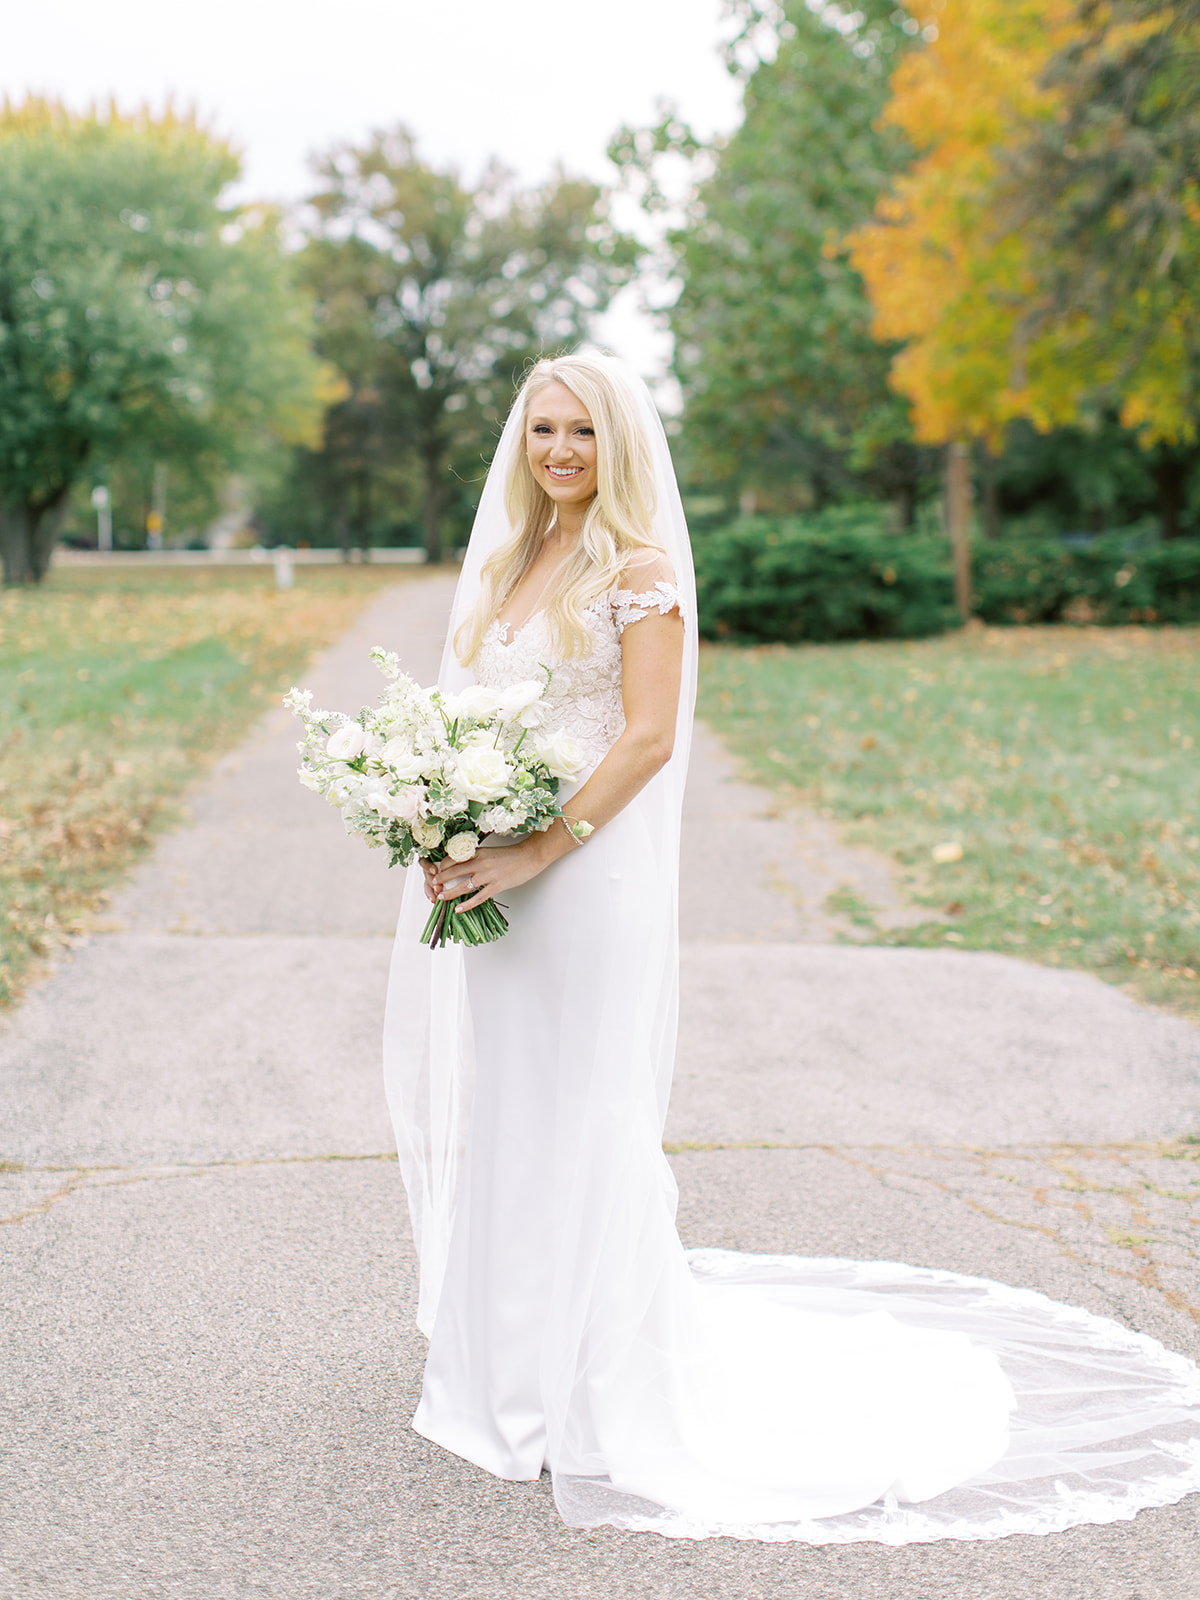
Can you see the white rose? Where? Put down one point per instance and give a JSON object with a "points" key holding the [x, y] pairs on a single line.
{"points": [[347, 742], [475, 701], [563, 754], [427, 834], [482, 774], [512, 701], [461, 847]]}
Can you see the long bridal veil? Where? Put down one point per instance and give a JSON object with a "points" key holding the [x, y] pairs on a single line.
{"points": [[712, 1393]]}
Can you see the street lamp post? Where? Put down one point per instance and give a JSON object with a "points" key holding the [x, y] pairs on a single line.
{"points": [[102, 501]]}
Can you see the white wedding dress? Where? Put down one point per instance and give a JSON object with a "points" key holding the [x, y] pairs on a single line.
{"points": [[702, 1393]]}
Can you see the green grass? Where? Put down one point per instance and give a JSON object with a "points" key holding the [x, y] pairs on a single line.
{"points": [[116, 688], [1063, 762]]}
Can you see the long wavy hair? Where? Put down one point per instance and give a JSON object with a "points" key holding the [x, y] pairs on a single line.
{"points": [[617, 523]]}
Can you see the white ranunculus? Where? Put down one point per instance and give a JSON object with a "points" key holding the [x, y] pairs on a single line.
{"points": [[512, 701], [462, 846], [475, 701], [427, 834], [562, 753], [399, 757], [347, 743], [481, 774]]}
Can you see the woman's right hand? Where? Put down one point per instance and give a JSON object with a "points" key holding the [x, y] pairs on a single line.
{"points": [[430, 869]]}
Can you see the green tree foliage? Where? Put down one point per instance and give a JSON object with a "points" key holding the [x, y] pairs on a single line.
{"points": [[137, 315], [431, 297], [783, 383], [1111, 188]]}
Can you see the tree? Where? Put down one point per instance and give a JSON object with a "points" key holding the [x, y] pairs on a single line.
{"points": [[783, 382], [433, 295], [1013, 259], [136, 314]]}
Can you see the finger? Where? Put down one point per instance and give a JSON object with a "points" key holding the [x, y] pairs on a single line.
{"points": [[475, 900]]}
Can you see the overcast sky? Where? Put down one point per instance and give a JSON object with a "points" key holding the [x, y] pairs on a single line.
{"points": [[535, 84]]}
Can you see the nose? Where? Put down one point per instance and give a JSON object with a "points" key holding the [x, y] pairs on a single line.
{"points": [[561, 447]]}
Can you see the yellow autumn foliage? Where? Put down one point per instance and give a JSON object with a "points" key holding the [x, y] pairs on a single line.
{"points": [[950, 278]]}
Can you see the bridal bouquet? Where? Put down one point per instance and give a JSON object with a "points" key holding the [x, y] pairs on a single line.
{"points": [[426, 775]]}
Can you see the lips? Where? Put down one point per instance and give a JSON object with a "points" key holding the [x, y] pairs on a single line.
{"points": [[562, 474]]}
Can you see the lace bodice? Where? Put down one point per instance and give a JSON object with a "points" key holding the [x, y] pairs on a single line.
{"points": [[583, 697]]}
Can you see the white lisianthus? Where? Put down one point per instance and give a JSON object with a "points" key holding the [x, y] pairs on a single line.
{"points": [[406, 803], [533, 716], [398, 756], [404, 806], [481, 774], [427, 834], [461, 846], [476, 701], [348, 742], [517, 697], [563, 754]]}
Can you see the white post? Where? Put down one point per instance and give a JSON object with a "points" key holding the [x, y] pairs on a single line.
{"points": [[285, 573], [102, 501]]}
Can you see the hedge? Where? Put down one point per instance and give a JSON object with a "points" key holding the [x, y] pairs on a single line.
{"points": [[838, 575], [843, 574]]}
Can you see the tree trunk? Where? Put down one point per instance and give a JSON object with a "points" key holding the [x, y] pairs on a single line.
{"points": [[27, 538], [343, 530], [958, 521], [432, 514], [1171, 473]]}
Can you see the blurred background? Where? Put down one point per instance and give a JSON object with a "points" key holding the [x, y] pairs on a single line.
{"points": [[925, 271], [915, 286]]}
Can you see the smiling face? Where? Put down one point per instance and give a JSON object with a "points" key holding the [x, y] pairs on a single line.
{"points": [[560, 444]]}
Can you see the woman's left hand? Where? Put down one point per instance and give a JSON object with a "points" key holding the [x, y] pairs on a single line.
{"points": [[490, 872]]}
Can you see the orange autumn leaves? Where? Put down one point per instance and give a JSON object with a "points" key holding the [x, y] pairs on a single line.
{"points": [[966, 291]]}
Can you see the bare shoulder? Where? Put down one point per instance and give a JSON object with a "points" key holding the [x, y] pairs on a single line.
{"points": [[645, 569]]}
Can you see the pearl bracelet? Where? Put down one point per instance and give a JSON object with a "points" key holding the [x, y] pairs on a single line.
{"points": [[576, 827]]}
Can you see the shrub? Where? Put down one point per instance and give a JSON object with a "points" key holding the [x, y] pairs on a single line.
{"points": [[838, 574], [842, 574], [1120, 577]]}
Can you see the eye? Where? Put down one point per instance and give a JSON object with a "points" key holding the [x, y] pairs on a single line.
{"points": [[591, 432], [540, 427]]}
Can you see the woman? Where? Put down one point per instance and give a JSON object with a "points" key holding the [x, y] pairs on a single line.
{"points": [[759, 1397]]}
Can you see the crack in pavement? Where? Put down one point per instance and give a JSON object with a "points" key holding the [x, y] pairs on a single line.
{"points": [[1130, 1210], [114, 1175]]}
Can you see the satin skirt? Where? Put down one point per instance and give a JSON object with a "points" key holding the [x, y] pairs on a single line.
{"points": [[706, 1393]]}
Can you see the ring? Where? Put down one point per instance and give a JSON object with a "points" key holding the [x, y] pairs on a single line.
{"points": [[470, 880]]}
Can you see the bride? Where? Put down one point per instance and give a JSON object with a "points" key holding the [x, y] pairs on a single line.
{"points": [[689, 1393]]}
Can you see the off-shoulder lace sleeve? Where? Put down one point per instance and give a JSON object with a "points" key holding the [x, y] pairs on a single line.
{"points": [[630, 607]]}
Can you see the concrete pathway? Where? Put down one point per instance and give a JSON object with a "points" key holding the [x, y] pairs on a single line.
{"points": [[207, 1277]]}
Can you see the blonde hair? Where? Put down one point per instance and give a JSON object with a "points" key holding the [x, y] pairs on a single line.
{"points": [[617, 523]]}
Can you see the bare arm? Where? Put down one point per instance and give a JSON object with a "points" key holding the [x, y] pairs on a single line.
{"points": [[651, 667]]}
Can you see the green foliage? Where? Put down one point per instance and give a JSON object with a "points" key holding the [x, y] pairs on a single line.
{"points": [[840, 574], [1062, 761], [1117, 579], [844, 574], [786, 390], [431, 298], [138, 318]]}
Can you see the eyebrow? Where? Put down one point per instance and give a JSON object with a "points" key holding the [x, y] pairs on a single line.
{"points": [[575, 422]]}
